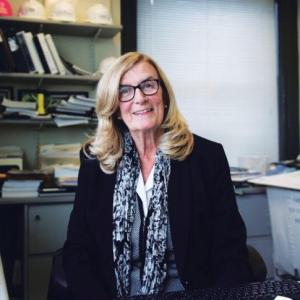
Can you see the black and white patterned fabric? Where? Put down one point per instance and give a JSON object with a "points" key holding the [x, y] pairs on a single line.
{"points": [[124, 198]]}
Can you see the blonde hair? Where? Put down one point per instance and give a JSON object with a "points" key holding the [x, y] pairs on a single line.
{"points": [[107, 144]]}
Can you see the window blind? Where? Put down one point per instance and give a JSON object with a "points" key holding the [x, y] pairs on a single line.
{"points": [[221, 59]]}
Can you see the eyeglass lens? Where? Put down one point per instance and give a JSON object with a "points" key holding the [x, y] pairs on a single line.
{"points": [[148, 87]]}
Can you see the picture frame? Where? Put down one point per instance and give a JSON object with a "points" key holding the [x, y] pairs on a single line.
{"points": [[7, 92]]}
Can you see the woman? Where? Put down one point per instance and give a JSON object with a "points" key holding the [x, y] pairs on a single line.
{"points": [[155, 209]]}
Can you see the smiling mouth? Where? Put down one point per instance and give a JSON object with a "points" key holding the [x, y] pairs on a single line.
{"points": [[142, 111]]}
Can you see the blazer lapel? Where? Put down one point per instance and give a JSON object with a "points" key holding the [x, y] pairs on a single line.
{"points": [[179, 205]]}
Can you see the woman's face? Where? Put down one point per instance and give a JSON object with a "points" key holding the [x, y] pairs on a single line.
{"points": [[143, 113]]}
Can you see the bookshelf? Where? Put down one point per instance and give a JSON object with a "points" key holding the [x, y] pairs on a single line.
{"points": [[61, 28], [84, 45], [48, 79]]}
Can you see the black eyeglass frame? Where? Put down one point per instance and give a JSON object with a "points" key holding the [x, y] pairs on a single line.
{"points": [[158, 81]]}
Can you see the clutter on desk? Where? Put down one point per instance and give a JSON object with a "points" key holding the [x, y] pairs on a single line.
{"points": [[62, 160], [241, 175], [11, 157], [20, 188]]}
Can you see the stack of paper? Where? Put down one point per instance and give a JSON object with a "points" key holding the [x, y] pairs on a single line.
{"points": [[10, 157], [63, 160], [20, 188], [240, 175], [66, 175], [76, 110], [51, 155]]}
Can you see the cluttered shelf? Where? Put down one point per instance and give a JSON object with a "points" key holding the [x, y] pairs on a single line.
{"points": [[38, 122], [75, 29], [48, 78]]}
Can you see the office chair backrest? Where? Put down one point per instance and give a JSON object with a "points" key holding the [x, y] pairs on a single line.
{"points": [[3, 288], [257, 264]]}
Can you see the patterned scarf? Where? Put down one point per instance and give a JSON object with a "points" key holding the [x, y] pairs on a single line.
{"points": [[154, 271]]}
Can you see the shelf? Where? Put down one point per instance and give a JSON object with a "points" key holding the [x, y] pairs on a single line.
{"points": [[48, 78], [40, 123], [74, 29]]}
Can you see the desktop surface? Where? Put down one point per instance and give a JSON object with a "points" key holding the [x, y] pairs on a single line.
{"points": [[266, 290]]}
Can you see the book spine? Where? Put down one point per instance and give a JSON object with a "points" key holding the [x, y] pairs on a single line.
{"points": [[41, 54], [33, 53], [55, 54], [50, 61], [27, 58]]}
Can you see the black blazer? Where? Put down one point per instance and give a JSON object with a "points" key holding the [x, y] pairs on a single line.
{"points": [[208, 234]]}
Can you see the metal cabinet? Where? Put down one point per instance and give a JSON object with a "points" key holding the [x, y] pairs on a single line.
{"points": [[255, 213], [45, 232]]}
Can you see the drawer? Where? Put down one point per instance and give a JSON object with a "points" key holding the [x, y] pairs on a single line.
{"points": [[39, 269], [47, 227], [254, 210]]}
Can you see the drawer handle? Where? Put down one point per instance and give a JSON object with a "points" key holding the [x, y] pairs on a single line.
{"points": [[37, 218]]}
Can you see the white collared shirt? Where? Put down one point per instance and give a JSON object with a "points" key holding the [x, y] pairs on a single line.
{"points": [[145, 190]]}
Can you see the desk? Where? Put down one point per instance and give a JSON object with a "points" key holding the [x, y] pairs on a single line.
{"points": [[45, 221], [253, 207]]}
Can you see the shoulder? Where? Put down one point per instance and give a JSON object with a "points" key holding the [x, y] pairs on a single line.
{"points": [[204, 148], [89, 165], [207, 157]]}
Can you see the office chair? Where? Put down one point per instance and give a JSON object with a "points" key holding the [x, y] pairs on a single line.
{"points": [[257, 264], [58, 287]]}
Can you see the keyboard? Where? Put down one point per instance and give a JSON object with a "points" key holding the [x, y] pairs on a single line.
{"points": [[266, 290]]}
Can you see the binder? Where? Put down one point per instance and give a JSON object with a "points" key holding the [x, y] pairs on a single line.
{"points": [[15, 50], [41, 54], [40, 38], [25, 52], [7, 63], [33, 53], [55, 55]]}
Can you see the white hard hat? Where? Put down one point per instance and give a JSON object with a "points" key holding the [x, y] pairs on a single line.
{"points": [[63, 11], [98, 14], [106, 63], [32, 9]]}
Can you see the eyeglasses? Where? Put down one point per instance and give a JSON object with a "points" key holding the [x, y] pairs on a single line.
{"points": [[148, 87]]}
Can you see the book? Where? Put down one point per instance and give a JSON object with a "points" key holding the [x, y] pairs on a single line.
{"points": [[55, 55], [41, 54], [7, 63], [18, 104], [33, 53], [20, 35], [40, 39], [81, 101], [20, 188]]}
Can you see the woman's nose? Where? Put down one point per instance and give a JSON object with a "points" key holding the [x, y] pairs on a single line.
{"points": [[139, 97]]}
